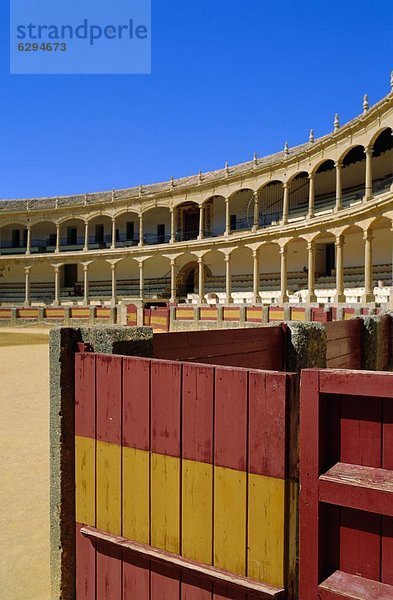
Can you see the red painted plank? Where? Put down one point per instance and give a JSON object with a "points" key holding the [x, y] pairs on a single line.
{"points": [[359, 383], [361, 431], [222, 592], [109, 572], [231, 418], [165, 583], [197, 412], [85, 395], [387, 434], [136, 403], [85, 559], [108, 384], [165, 407], [195, 588], [343, 585], [360, 543], [387, 550], [267, 424], [136, 577]]}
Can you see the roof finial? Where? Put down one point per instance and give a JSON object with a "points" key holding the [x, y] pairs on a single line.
{"points": [[85, 198], [286, 149], [57, 201], [200, 177], [172, 182], [113, 195], [391, 81], [226, 168], [311, 137], [366, 105], [255, 159], [140, 191], [336, 123]]}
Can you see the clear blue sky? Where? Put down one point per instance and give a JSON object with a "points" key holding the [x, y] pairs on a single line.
{"points": [[229, 77]]}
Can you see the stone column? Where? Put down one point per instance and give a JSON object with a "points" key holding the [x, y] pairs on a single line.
{"points": [[172, 240], [86, 244], [140, 230], [0, 241], [86, 300], [113, 243], [339, 193], [311, 297], [255, 257], [173, 280], [28, 243], [285, 208], [340, 296], [227, 218], [284, 285], [368, 268], [57, 249], [113, 299], [27, 286], [311, 195], [368, 192], [228, 278], [256, 212], [201, 280], [141, 280], [201, 224], [57, 284]]}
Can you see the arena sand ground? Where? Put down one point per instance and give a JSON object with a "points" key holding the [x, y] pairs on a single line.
{"points": [[24, 465]]}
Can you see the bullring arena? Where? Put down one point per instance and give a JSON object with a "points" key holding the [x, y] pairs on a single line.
{"points": [[311, 224]]}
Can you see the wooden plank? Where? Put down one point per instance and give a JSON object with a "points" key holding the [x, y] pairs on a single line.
{"points": [[197, 510], [109, 571], [197, 412], [136, 576], [360, 543], [195, 588], [358, 487], [225, 592], [85, 479], [165, 582], [359, 383], [361, 431], [177, 562], [352, 587], [165, 407], [387, 550], [165, 502], [108, 488], [387, 435], [343, 329], [85, 566], [108, 385]]}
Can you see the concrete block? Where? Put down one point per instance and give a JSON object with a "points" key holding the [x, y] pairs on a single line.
{"points": [[306, 345]]}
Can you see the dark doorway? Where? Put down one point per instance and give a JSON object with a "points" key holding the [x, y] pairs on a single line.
{"points": [[70, 275], [330, 258], [160, 234], [233, 222], [15, 238], [99, 234], [191, 224], [71, 236], [130, 231], [190, 283]]}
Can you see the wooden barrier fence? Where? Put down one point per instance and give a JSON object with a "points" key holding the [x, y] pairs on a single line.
{"points": [[344, 344]]}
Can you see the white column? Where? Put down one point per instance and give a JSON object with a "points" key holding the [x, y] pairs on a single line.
{"points": [[340, 296], [284, 285], [255, 256], [57, 285], [57, 249], [201, 282], [113, 243], [311, 297], [311, 195], [228, 278], [113, 299], [28, 243], [172, 240], [339, 192], [173, 280], [368, 193], [285, 208], [227, 217], [201, 224], [368, 267], [256, 212], [140, 230], [86, 244], [141, 280], [27, 286], [86, 300]]}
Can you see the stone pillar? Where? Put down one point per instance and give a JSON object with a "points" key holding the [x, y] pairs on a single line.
{"points": [[311, 195], [285, 208], [141, 280], [140, 230], [27, 286], [113, 242], [340, 296], [228, 279], [368, 192], [255, 257], [201, 224], [368, 268], [57, 249], [256, 212], [0, 241], [339, 193], [311, 297], [284, 285], [86, 244], [28, 243], [86, 300], [201, 278], [57, 285], [113, 299], [173, 280], [172, 240], [227, 218]]}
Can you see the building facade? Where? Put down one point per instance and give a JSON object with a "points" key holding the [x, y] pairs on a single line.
{"points": [[309, 224]]}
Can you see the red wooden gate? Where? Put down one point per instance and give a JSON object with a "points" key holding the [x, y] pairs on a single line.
{"points": [[346, 485], [184, 486]]}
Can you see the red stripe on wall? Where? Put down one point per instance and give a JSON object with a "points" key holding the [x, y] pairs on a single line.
{"points": [[85, 409], [198, 401], [109, 579], [136, 405], [108, 382], [85, 575], [165, 407], [136, 577]]}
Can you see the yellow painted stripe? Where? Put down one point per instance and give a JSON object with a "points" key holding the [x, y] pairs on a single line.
{"points": [[136, 518], [298, 315], [85, 480], [184, 314], [197, 510], [232, 313], [165, 502], [266, 514], [230, 520], [109, 487]]}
